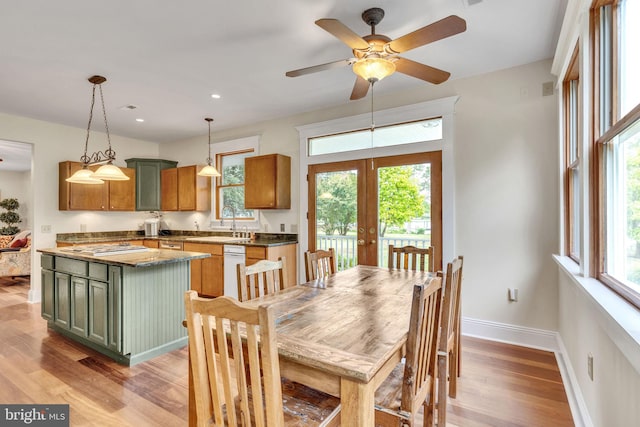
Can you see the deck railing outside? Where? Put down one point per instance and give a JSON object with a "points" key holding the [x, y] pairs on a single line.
{"points": [[346, 248]]}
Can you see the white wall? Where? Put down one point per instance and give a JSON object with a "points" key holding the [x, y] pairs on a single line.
{"points": [[54, 143], [17, 185]]}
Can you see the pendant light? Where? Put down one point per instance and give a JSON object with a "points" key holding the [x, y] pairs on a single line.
{"points": [[108, 171], [209, 170]]}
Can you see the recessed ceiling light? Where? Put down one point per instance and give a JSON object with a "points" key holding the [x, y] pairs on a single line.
{"points": [[215, 96], [140, 120]]}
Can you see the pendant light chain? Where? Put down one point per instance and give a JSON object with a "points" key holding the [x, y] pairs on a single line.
{"points": [[209, 159], [85, 159], [109, 153]]}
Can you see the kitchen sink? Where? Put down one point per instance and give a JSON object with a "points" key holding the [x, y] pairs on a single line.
{"points": [[219, 239]]}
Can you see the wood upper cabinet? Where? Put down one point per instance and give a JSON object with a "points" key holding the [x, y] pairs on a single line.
{"points": [[122, 194], [169, 186], [148, 185], [112, 195], [207, 274], [184, 190], [267, 182]]}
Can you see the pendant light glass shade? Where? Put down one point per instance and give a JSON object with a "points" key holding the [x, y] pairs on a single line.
{"points": [[110, 172], [84, 176], [209, 170]]}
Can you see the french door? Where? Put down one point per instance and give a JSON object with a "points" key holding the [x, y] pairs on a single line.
{"points": [[359, 207]]}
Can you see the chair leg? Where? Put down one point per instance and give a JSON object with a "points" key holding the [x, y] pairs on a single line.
{"points": [[453, 373], [429, 406], [441, 404]]}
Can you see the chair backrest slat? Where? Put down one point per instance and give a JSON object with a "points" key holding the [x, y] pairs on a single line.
{"points": [[451, 304], [262, 278], [422, 344], [320, 263], [411, 258], [221, 327]]}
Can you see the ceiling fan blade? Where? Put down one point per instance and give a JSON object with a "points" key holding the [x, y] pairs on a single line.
{"points": [[439, 30], [342, 32], [421, 71], [360, 89], [321, 67]]}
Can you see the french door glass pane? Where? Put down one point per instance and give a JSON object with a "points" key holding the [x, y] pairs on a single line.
{"points": [[404, 208], [336, 215]]}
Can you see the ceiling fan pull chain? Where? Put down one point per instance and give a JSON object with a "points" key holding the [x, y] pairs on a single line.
{"points": [[373, 125]]}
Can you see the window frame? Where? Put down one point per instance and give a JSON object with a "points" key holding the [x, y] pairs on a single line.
{"points": [[219, 186], [572, 124], [606, 125]]}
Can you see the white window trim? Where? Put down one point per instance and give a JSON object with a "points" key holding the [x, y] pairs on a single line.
{"points": [[444, 107], [247, 143]]}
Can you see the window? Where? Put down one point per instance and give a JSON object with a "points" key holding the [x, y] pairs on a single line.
{"points": [[616, 131], [383, 136], [571, 99], [230, 186]]}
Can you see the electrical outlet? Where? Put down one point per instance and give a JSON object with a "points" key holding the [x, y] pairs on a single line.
{"points": [[282, 228], [83, 228], [45, 229], [590, 366]]}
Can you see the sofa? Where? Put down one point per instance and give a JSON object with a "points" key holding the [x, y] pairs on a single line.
{"points": [[15, 255]]}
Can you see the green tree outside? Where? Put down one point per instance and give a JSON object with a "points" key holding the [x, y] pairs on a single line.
{"points": [[336, 201], [399, 197]]}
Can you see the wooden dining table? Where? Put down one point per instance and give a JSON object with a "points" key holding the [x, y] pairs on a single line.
{"points": [[343, 334]]}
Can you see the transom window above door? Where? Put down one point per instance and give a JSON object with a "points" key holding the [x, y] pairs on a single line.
{"points": [[383, 136]]}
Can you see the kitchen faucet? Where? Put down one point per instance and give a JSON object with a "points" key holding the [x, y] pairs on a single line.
{"points": [[233, 218]]}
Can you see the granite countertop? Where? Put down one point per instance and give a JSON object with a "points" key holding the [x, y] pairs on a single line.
{"points": [[147, 258], [261, 239]]}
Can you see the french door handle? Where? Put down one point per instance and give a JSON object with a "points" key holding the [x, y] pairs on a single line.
{"points": [[360, 242]]}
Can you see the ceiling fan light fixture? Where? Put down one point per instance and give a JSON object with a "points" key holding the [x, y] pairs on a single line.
{"points": [[209, 170], [374, 69]]}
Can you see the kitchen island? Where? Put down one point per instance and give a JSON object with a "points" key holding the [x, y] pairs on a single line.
{"points": [[124, 302]]}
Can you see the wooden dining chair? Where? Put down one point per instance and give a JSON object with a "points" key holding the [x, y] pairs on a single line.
{"points": [[320, 263], [262, 278], [449, 349], [411, 258], [224, 395], [412, 383]]}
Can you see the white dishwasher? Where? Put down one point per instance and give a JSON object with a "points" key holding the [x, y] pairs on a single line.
{"points": [[233, 255]]}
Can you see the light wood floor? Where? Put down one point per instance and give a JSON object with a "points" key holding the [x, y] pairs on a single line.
{"points": [[501, 385]]}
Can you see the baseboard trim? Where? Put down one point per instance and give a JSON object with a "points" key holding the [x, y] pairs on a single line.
{"points": [[511, 334], [540, 339]]}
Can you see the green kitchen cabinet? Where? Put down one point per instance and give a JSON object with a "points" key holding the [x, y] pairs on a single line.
{"points": [[46, 305], [78, 305], [148, 186], [62, 300], [128, 313]]}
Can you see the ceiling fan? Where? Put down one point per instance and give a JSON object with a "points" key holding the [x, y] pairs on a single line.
{"points": [[376, 55]]}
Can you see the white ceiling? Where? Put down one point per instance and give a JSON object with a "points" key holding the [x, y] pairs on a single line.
{"points": [[168, 57]]}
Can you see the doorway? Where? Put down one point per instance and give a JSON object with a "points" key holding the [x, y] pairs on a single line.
{"points": [[360, 207]]}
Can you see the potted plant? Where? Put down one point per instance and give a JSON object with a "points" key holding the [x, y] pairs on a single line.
{"points": [[10, 217]]}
